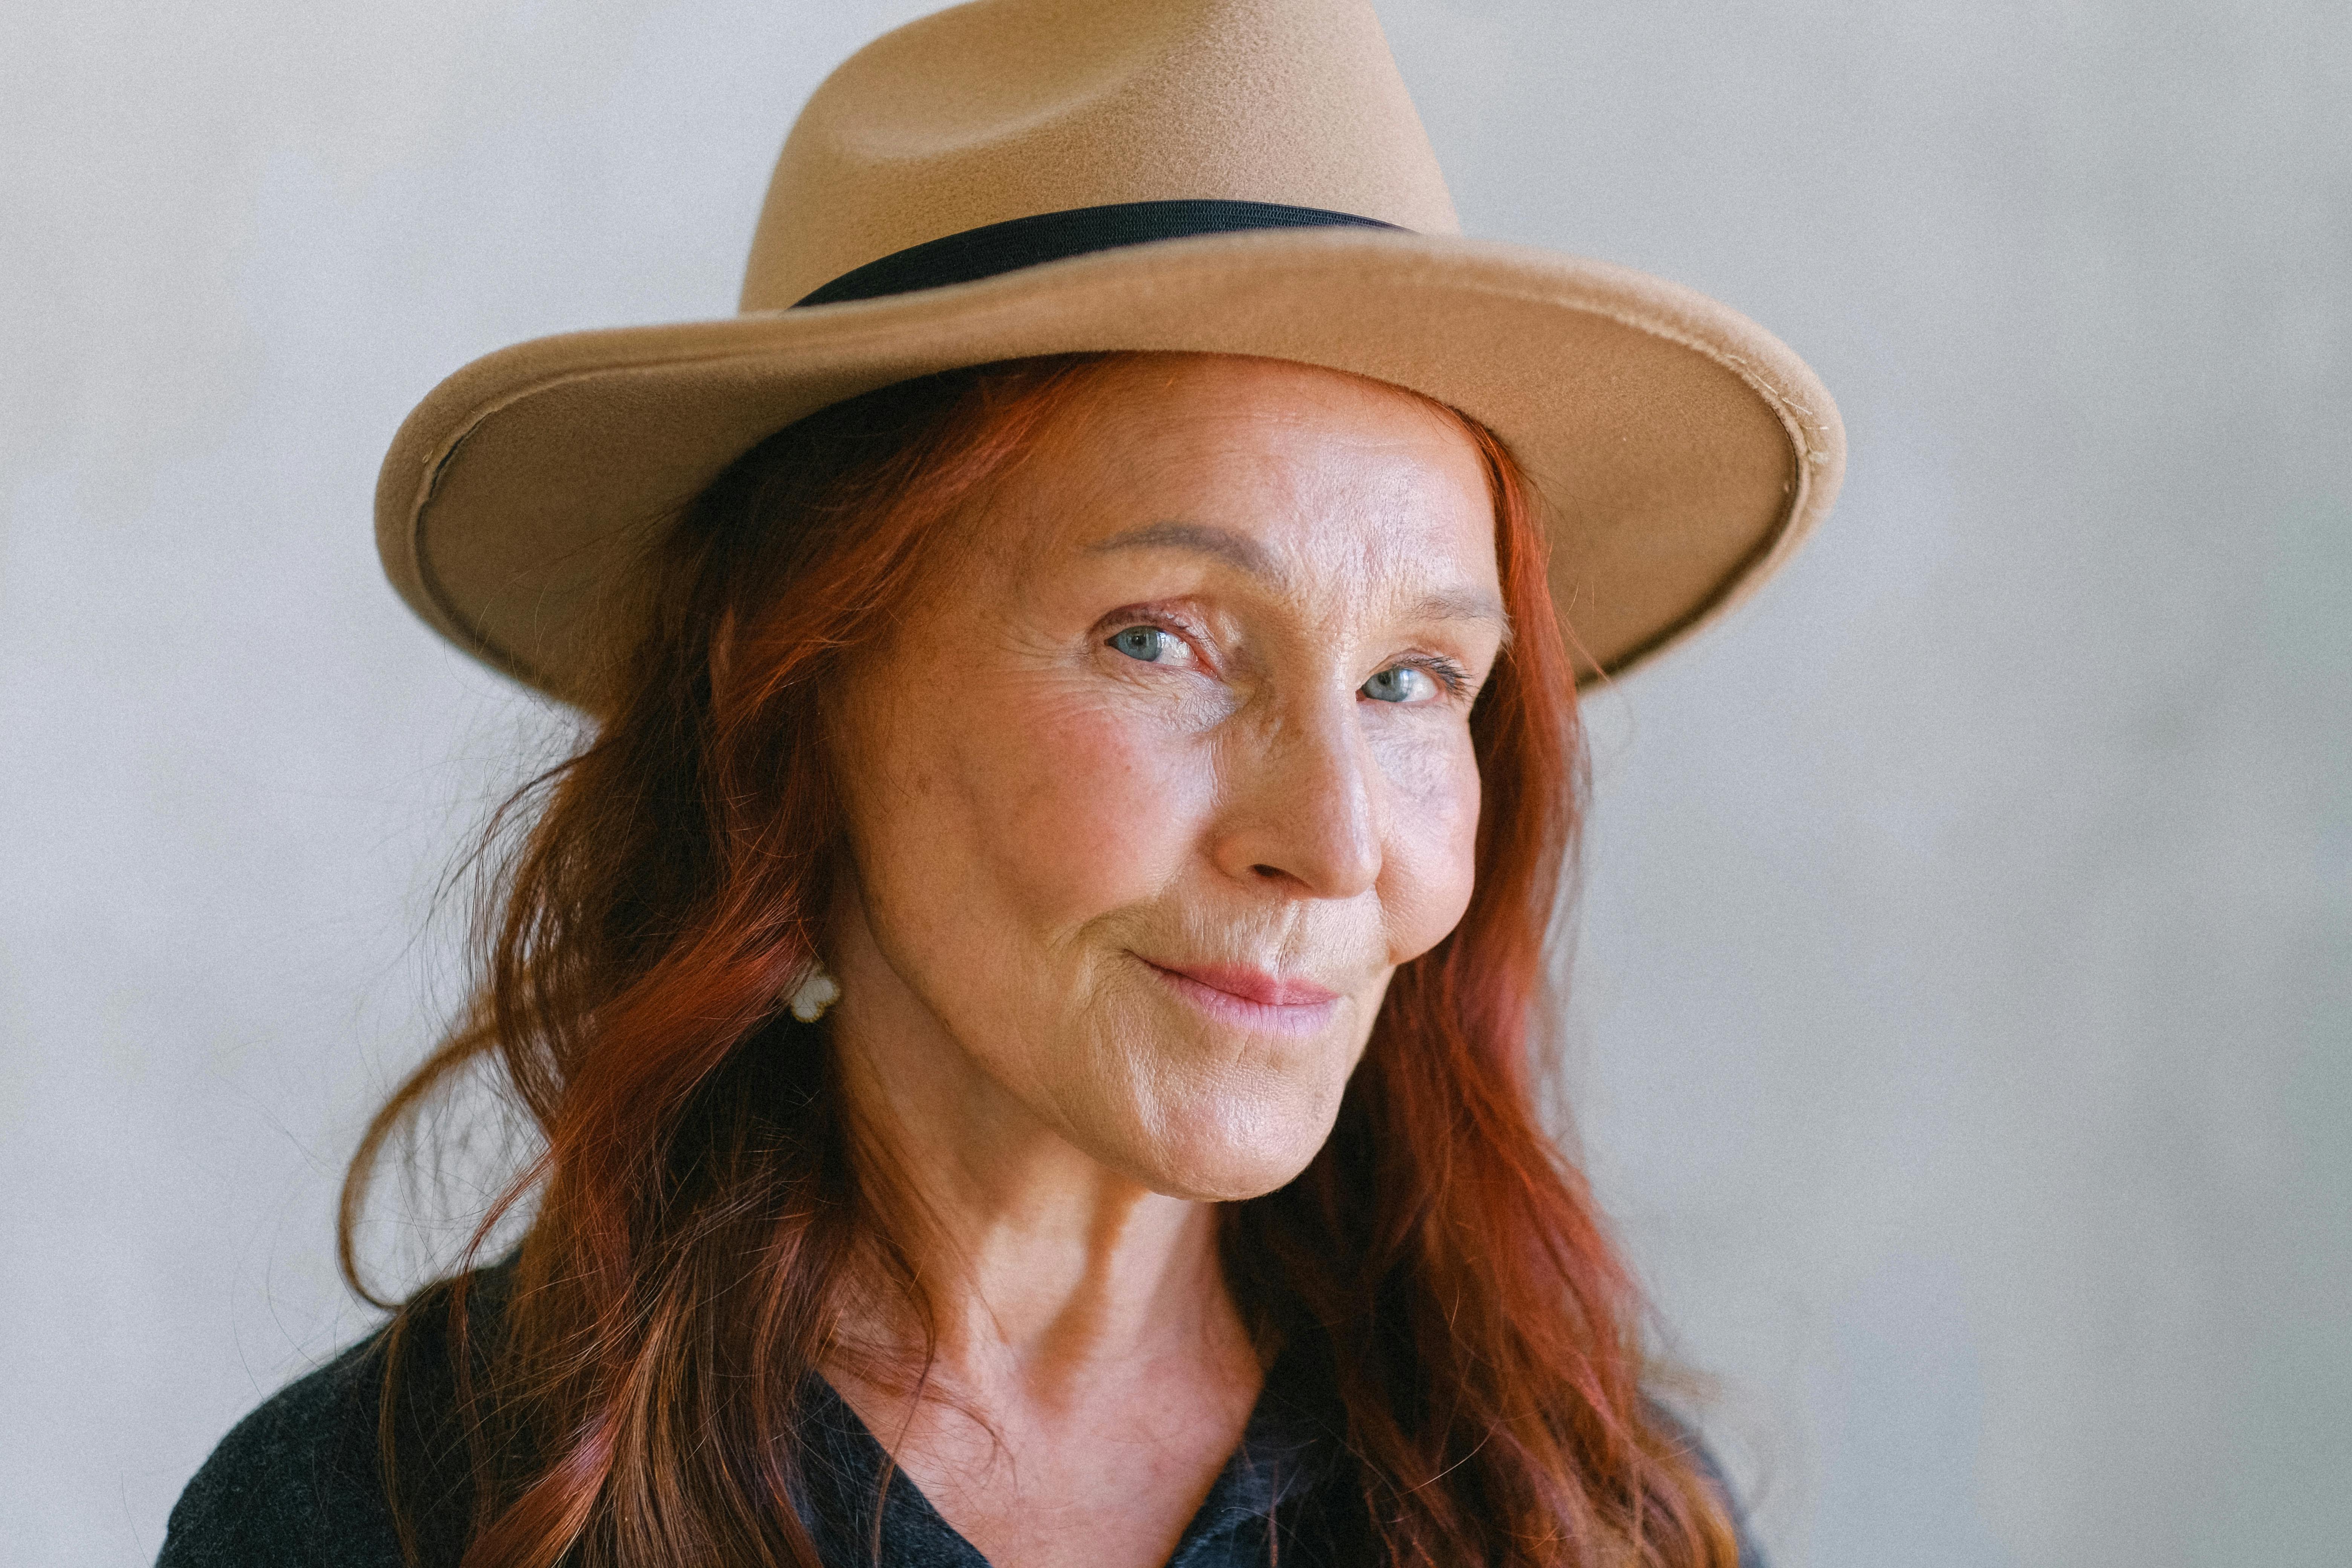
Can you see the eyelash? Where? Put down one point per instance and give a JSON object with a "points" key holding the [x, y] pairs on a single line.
{"points": [[1111, 625], [1446, 672], [1440, 668]]}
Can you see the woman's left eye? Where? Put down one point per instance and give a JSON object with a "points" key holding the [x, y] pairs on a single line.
{"points": [[1400, 683]]}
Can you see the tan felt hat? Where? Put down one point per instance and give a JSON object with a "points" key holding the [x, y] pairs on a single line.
{"points": [[1019, 177]]}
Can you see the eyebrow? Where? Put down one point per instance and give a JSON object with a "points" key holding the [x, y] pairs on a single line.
{"points": [[1464, 606], [1246, 555], [1235, 550]]}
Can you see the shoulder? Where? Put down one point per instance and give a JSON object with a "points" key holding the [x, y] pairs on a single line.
{"points": [[301, 1480], [296, 1482], [1704, 1460]]}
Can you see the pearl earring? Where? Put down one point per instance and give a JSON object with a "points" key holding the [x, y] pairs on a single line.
{"points": [[817, 991]]}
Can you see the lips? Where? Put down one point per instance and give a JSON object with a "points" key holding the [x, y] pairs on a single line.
{"points": [[1251, 985]]}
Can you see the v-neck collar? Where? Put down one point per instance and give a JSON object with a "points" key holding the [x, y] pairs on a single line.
{"points": [[1282, 1453]]}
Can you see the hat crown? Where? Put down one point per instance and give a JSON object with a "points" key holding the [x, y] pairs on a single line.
{"points": [[1005, 108]]}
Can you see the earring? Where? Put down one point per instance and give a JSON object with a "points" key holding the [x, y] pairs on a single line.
{"points": [[817, 991]]}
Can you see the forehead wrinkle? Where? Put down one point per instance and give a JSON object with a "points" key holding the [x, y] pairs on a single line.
{"points": [[1379, 562], [1234, 548]]}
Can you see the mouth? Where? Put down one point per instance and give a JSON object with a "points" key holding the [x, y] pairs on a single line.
{"points": [[1250, 998]]}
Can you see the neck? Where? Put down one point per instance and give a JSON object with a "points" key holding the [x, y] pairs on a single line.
{"points": [[1050, 1278]]}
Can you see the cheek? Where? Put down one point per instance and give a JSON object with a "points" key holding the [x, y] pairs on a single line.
{"points": [[1430, 861], [1082, 806]]}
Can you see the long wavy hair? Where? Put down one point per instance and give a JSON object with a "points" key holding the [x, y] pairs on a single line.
{"points": [[1440, 1267]]}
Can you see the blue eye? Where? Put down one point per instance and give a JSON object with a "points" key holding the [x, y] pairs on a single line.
{"points": [[1146, 643], [1399, 683]]}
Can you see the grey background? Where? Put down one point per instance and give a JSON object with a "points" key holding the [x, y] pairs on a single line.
{"points": [[1963, 1012]]}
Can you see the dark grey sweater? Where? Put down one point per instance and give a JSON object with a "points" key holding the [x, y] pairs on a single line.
{"points": [[300, 1482]]}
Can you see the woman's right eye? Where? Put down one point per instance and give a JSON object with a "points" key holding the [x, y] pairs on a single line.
{"points": [[1149, 644]]}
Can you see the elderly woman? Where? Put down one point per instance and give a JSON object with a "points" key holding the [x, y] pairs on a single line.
{"points": [[1033, 993]]}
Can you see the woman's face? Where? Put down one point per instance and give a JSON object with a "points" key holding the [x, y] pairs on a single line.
{"points": [[1170, 768]]}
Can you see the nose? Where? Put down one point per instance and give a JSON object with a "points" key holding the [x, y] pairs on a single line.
{"points": [[1305, 803]]}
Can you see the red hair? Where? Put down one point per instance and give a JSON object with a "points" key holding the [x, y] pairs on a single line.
{"points": [[1440, 1267]]}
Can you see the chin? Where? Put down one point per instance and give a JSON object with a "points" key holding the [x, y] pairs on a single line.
{"points": [[1193, 1109], [1232, 1150]]}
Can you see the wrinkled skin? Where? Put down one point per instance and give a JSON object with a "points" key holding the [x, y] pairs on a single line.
{"points": [[1167, 771], [1049, 816]]}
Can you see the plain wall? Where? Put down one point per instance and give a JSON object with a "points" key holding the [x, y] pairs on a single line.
{"points": [[1963, 1017]]}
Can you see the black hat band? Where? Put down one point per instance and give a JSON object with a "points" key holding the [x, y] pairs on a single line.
{"points": [[1019, 242]]}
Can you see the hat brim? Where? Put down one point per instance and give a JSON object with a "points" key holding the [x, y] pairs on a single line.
{"points": [[1682, 452]]}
